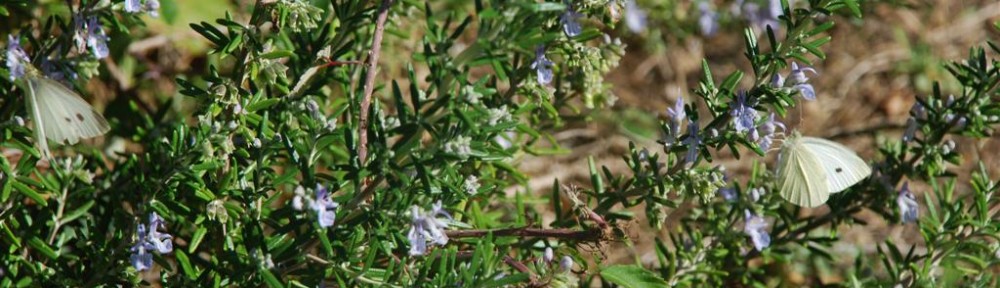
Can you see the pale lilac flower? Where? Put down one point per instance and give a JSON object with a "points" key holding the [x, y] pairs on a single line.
{"points": [[548, 255], [427, 228], [566, 263], [908, 207], [570, 26], [774, 10], [153, 8], [917, 112], [693, 141], [799, 80], [777, 81], [17, 59], [151, 240], [542, 66], [709, 19], [763, 18], [133, 6], [89, 33], [911, 129], [326, 210], [141, 259], [676, 115], [743, 114], [767, 130], [643, 155], [727, 193], [162, 242], [755, 227], [635, 17]]}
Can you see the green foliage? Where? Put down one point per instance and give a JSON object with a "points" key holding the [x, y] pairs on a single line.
{"points": [[269, 167]]}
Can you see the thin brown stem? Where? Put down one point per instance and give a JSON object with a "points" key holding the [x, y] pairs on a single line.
{"points": [[532, 278], [591, 235], [366, 100]]}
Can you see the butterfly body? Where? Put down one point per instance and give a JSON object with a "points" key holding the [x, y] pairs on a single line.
{"points": [[810, 169]]}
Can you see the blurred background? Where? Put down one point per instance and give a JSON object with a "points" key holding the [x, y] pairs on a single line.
{"points": [[875, 67]]}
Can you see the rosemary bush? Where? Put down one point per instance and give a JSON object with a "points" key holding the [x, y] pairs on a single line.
{"points": [[376, 143]]}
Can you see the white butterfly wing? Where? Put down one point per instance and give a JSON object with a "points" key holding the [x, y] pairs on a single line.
{"points": [[801, 177], [61, 115], [843, 167]]}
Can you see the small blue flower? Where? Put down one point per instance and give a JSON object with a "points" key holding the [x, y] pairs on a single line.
{"points": [[153, 8], [755, 227], [542, 66], [17, 59], [326, 210], [727, 193], [799, 80], [89, 33], [566, 263], [911, 130], [635, 17], [743, 115], [763, 18], [151, 240], [141, 259], [709, 19], [676, 116], [908, 207], [693, 141], [427, 228], [777, 81], [162, 242], [917, 112], [767, 130], [133, 6], [570, 26]]}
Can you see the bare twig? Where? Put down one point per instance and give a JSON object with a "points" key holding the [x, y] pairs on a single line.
{"points": [[532, 278], [366, 100], [590, 235]]}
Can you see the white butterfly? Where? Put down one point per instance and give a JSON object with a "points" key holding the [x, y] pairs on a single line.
{"points": [[60, 114], [810, 169]]}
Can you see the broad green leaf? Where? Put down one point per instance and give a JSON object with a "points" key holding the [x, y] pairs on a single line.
{"points": [[632, 276]]}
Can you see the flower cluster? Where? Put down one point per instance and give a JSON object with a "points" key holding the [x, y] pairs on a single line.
{"points": [[798, 80], [136, 6], [708, 19], [542, 66], [755, 227], [676, 117], [764, 134], [570, 26], [151, 240], [17, 59], [326, 209], [89, 33], [427, 228], [635, 17], [908, 207], [759, 18]]}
